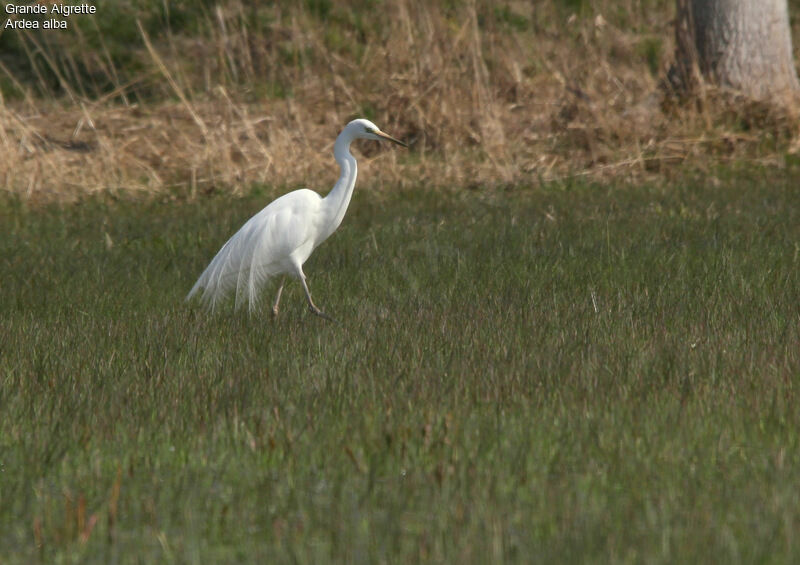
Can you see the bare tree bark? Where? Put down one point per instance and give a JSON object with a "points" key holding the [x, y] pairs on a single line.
{"points": [[741, 45]]}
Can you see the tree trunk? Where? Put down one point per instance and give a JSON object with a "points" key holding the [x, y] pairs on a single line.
{"points": [[741, 45]]}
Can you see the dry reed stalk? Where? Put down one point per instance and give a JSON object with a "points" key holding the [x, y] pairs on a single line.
{"points": [[484, 104]]}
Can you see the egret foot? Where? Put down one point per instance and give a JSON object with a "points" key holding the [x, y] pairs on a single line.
{"points": [[311, 305], [321, 314]]}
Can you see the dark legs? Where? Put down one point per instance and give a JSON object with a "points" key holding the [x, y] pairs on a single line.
{"points": [[311, 305], [278, 298]]}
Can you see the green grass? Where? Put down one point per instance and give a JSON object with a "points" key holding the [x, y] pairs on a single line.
{"points": [[570, 373]]}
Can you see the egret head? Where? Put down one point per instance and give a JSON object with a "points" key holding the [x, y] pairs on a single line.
{"points": [[365, 129]]}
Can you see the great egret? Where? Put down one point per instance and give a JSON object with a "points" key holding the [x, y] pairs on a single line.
{"points": [[280, 238]]}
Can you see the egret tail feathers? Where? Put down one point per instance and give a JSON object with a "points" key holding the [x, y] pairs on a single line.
{"points": [[235, 267]]}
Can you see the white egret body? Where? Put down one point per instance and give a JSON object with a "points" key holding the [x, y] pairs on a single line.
{"points": [[282, 236]]}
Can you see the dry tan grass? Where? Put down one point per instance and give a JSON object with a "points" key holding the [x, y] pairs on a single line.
{"points": [[483, 105]]}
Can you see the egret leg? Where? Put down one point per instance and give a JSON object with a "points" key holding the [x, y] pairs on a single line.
{"points": [[278, 298], [311, 305]]}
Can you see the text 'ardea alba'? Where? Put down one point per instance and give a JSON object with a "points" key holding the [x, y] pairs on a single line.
{"points": [[282, 236]]}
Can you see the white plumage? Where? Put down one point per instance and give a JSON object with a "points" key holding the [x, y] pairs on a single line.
{"points": [[282, 236]]}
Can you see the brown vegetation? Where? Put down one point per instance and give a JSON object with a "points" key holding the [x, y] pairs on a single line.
{"points": [[488, 94]]}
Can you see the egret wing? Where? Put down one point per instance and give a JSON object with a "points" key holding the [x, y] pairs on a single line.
{"points": [[260, 249]]}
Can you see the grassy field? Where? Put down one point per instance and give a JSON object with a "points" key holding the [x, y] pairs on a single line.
{"points": [[529, 368], [567, 373]]}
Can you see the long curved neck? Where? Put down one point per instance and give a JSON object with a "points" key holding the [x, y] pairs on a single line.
{"points": [[338, 199]]}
